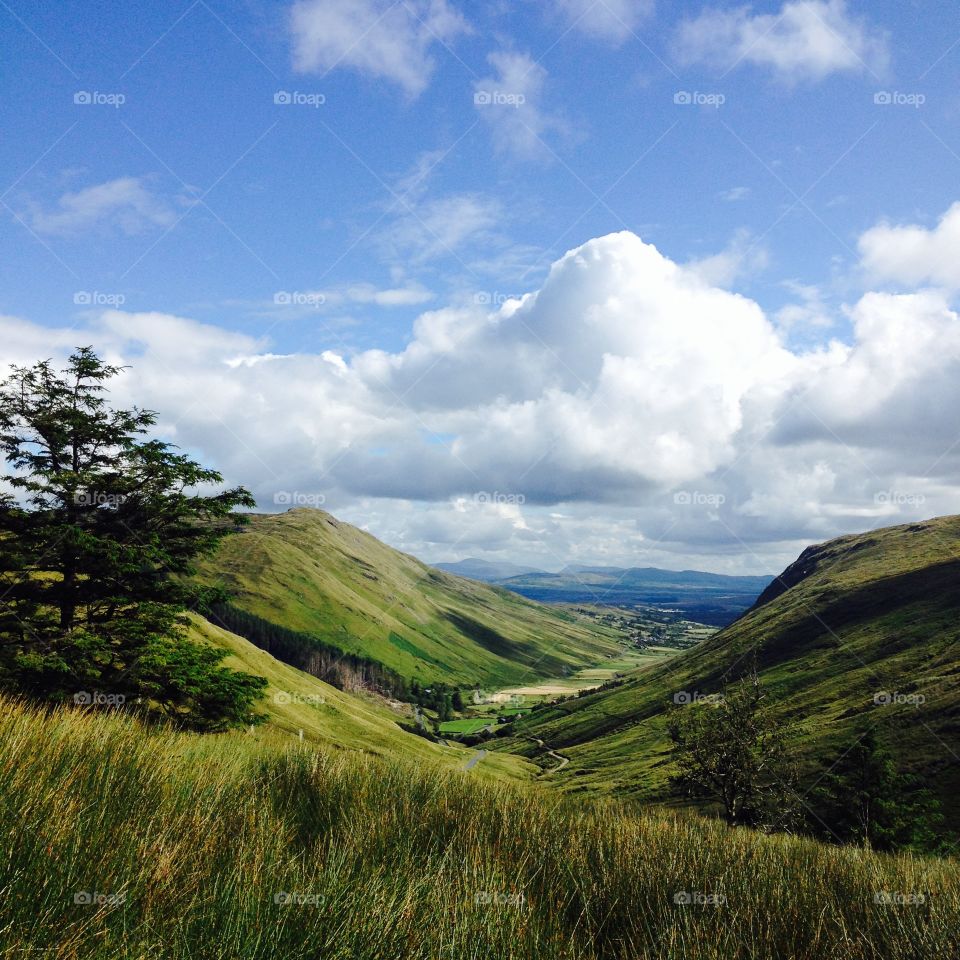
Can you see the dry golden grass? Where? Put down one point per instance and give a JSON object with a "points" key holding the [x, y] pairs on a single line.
{"points": [[188, 844]]}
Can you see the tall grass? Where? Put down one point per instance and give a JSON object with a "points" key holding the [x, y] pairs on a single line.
{"points": [[185, 845]]}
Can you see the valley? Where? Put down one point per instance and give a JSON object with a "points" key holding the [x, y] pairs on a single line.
{"points": [[480, 481], [360, 785], [210, 720]]}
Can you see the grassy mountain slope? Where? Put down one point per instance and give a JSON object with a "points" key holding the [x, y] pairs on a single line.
{"points": [[296, 701], [122, 843], [860, 632], [307, 571]]}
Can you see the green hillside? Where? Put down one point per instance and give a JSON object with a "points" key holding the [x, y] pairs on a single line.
{"points": [[296, 702], [308, 572], [860, 632]]}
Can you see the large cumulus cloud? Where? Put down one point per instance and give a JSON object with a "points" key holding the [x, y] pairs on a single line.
{"points": [[626, 411]]}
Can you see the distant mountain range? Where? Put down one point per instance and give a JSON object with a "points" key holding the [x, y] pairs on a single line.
{"points": [[486, 570], [712, 598]]}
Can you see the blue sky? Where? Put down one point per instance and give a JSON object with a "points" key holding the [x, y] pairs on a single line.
{"points": [[794, 157]]}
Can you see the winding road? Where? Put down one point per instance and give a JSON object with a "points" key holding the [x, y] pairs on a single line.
{"points": [[551, 753]]}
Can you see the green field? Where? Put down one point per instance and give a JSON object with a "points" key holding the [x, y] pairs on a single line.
{"points": [[122, 843], [466, 725]]}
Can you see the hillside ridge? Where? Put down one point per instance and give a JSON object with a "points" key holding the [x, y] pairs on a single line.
{"points": [[862, 632]]}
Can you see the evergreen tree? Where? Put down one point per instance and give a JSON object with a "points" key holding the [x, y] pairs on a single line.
{"points": [[96, 555]]}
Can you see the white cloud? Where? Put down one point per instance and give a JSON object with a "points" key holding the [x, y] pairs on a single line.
{"points": [[441, 227], [366, 293], [623, 379], [126, 203], [378, 38], [811, 312], [613, 20], [623, 372], [805, 40], [392, 297], [895, 387], [510, 102], [915, 255], [742, 257], [734, 194]]}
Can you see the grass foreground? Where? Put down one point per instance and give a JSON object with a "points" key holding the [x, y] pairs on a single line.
{"points": [[123, 842]]}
